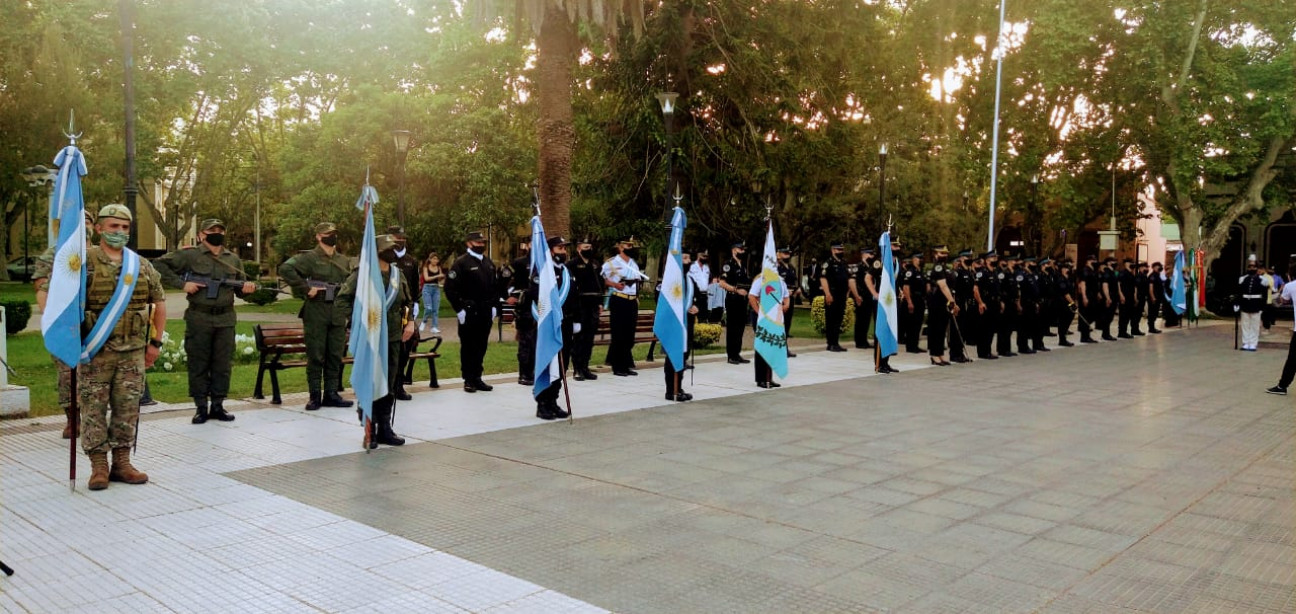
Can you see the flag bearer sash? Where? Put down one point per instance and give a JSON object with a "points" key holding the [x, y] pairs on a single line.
{"points": [[116, 307]]}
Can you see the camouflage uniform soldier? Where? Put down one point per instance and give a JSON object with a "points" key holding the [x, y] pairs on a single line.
{"points": [[111, 384], [40, 279], [400, 328], [319, 274], [211, 277]]}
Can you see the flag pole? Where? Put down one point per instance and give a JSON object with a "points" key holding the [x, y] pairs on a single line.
{"points": [[74, 407], [368, 442]]}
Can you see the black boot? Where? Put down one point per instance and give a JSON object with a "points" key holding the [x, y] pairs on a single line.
{"points": [[333, 399], [201, 415], [314, 402], [218, 410], [544, 411], [589, 374], [401, 395], [383, 433]]}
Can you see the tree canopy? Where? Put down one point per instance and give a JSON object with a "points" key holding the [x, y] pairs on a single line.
{"points": [[783, 104]]}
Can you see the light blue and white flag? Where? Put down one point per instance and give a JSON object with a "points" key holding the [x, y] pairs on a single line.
{"points": [[1178, 285], [887, 327], [670, 324], [551, 293], [771, 335], [65, 307], [368, 343]]}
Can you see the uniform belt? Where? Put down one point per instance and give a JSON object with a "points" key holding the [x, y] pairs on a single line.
{"points": [[628, 297], [592, 294], [1252, 296], [216, 311]]}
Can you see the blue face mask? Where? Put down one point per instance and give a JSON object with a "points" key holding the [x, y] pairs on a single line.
{"points": [[116, 240]]}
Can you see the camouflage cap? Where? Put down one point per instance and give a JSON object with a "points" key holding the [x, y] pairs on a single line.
{"points": [[210, 223], [324, 228], [385, 242], [116, 211]]}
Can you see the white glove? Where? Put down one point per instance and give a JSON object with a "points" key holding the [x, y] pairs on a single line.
{"points": [[415, 311], [576, 327], [494, 313], [462, 315]]}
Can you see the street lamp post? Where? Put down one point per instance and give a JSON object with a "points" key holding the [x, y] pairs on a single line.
{"points": [[882, 156], [126, 11], [256, 249], [402, 140], [667, 100]]}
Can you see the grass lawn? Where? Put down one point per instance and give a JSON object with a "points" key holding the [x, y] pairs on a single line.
{"points": [[34, 367]]}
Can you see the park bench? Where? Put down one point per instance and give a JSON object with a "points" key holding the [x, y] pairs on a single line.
{"points": [[283, 346], [603, 336]]}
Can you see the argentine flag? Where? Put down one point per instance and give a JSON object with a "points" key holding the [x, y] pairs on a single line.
{"points": [[65, 307], [771, 336], [1178, 288], [672, 303], [368, 343], [887, 327], [547, 310]]}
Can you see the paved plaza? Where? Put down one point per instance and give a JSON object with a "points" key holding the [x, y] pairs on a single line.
{"points": [[1151, 475]]}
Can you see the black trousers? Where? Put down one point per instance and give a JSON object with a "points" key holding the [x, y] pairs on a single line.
{"points": [[1127, 312], [623, 313], [1153, 312], [384, 407], [1044, 320], [1106, 314], [987, 326], [937, 328], [913, 325], [1007, 326], [1026, 323], [1089, 323], [211, 354], [550, 394], [1137, 323], [583, 342], [526, 348], [474, 333], [1289, 367], [668, 369], [834, 315], [736, 309], [863, 315], [962, 336], [1064, 317]]}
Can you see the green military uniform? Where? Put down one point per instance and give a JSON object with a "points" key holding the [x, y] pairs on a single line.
{"points": [[111, 384], [324, 323], [398, 314], [209, 321]]}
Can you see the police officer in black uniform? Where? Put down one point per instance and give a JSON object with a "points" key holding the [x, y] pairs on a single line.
{"points": [[547, 407], [1065, 306], [915, 301], [1089, 290], [472, 291], [1044, 313], [943, 306], [1127, 297], [1010, 296], [962, 285], [834, 282], [865, 299], [1156, 297], [1141, 298], [1028, 292], [986, 292], [735, 281], [519, 286], [788, 274], [1110, 302], [587, 285]]}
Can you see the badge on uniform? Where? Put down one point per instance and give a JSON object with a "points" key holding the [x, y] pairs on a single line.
{"points": [[1019, 278], [939, 268], [1001, 276], [908, 274], [453, 274], [726, 268], [979, 275]]}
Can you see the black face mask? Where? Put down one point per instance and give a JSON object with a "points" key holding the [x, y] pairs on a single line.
{"points": [[329, 240], [215, 240], [587, 254], [478, 249], [702, 260], [559, 258], [632, 252], [388, 256]]}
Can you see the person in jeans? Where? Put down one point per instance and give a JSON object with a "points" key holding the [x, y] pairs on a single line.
{"points": [[1289, 367], [432, 276]]}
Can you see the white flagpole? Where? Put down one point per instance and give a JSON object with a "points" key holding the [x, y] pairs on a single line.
{"points": [[994, 151]]}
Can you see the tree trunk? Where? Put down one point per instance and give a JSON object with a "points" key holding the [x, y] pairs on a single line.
{"points": [[556, 54]]}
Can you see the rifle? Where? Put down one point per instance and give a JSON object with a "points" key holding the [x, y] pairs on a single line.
{"points": [[213, 286], [330, 289]]}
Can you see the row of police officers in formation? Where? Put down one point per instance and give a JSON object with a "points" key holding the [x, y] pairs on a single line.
{"points": [[968, 301]]}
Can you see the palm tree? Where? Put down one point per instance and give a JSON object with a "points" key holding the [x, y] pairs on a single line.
{"points": [[554, 24]]}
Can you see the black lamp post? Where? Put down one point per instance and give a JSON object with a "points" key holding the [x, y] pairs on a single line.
{"points": [[667, 100], [402, 140], [126, 12], [1036, 233], [882, 156]]}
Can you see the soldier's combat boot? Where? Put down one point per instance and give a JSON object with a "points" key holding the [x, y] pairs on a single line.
{"points": [[383, 432], [200, 416], [122, 471], [333, 399], [98, 470], [71, 429], [218, 410], [314, 402]]}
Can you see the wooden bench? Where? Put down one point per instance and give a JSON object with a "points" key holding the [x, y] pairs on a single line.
{"points": [[283, 346], [643, 330]]}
